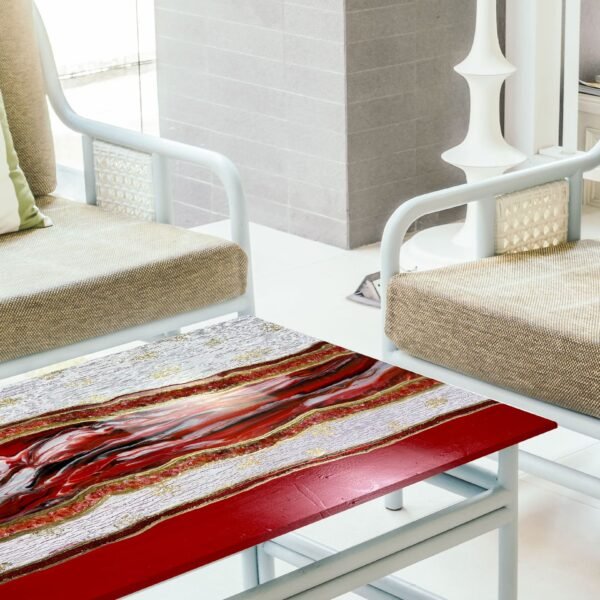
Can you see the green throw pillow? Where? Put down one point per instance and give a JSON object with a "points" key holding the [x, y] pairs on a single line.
{"points": [[17, 204]]}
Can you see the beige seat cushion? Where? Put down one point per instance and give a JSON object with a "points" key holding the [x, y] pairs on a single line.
{"points": [[529, 322], [22, 86], [94, 273]]}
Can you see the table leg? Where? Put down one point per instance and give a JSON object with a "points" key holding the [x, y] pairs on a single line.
{"points": [[250, 577], [395, 500], [508, 475], [266, 565], [257, 567]]}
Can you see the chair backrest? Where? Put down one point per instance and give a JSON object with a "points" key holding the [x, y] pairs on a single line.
{"points": [[22, 86]]}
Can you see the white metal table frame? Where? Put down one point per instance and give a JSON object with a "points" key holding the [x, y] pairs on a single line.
{"points": [[485, 193], [162, 151], [490, 502]]}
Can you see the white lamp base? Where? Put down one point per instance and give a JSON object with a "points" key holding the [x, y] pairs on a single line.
{"points": [[433, 248]]}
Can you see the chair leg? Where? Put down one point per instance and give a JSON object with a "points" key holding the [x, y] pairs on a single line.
{"points": [[395, 500]]}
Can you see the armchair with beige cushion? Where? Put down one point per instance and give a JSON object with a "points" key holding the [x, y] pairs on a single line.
{"points": [[97, 277], [522, 328]]}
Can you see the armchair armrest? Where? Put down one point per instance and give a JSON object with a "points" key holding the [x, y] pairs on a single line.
{"points": [[160, 149]]}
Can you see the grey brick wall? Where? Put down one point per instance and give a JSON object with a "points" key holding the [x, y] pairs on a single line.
{"points": [[406, 104], [335, 111], [590, 39]]}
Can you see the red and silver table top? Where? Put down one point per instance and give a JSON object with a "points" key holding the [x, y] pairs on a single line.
{"points": [[121, 472]]}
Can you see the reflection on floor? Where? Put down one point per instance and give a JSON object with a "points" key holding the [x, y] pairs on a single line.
{"points": [[303, 284]]}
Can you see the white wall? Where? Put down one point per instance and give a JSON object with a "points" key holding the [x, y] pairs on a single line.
{"points": [[90, 35]]}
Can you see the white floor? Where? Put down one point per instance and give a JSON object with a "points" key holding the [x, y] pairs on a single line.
{"points": [[302, 285]]}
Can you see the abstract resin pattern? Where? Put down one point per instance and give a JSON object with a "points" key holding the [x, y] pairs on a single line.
{"points": [[85, 474]]}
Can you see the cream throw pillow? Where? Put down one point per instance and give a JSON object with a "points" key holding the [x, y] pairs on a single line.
{"points": [[17, 204]]}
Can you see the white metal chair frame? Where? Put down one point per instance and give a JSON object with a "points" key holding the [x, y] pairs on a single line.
{"points": [[161, 150], [485, 192]]}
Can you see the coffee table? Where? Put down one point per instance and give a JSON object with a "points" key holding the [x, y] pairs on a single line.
{"points": [[124, 471]]}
